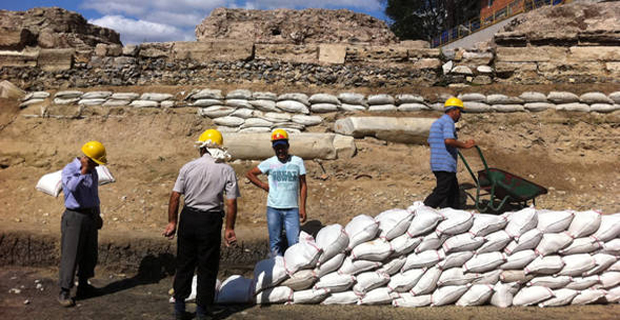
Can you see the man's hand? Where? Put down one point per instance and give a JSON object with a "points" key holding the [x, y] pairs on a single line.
{"points": [[229, 237], [170, 230], [87, 165], [469, 144], [302, 215], [99, 222], [265, 186]]}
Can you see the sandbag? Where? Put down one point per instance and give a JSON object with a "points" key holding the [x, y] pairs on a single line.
{"points": [[408, 98], [269, 273], [341, 298], [235, 289], [264, 105], [259, 95], [310, 296], [307, 120], [476, 295], [245, 113], [613, 295], [378, 99], [554, 221], [612, 247], [352, 107], [485, 224], [376, 297], [404, 244], [51, 183], [301, 280], [274, 295], [292, 106], [532, 295], [298, 97], [330, 265], [425, 220], [393, 266], [582, 245], [562, 97], [577, 264], [545, 265], [393, 223], [561, 297], [374, 250], [335, 282], [410, 107], [360, 229], [582, 283], [484, 262], [447, 295], [528, 240], [215, 111], [552, 243], [367, 281], [423, 259], [456, 277], [351, 98], [432, 241], [517, 276], [503, 294], [462, 242], [519, 260], [405, 281], [428, 282], [205, 94], [238, 103], [457, 221], [332, 240], [302, 255], [585, 223], [602, 262], [521, 222], [239, 94], [609, 228], [456, 259], [323, 107], [229, 121], [551, 282], [408, 300], [610, 279], [489, 277], [323, 98], [353, 267], [495, 241], [382, 108], [588, 296]]}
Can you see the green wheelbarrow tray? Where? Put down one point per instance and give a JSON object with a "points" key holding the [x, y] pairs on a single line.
{"points": [[501, 186]]}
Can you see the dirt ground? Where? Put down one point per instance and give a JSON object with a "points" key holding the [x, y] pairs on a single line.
{"points": [[574, 155]]}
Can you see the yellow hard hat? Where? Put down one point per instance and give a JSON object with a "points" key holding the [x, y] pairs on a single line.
{"points": [[279, 134], [209, 138], [95, 151], [454, 103]]}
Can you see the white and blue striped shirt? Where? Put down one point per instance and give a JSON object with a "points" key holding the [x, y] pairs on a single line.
{"points": [[443, 157]]}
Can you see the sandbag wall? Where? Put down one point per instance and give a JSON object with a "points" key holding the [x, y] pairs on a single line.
{"points": [[425, 257]]}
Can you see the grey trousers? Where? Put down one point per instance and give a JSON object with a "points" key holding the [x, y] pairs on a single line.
{"points": [[78, 246]]}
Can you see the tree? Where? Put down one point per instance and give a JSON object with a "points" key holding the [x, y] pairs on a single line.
{"points": [[424, 19]]}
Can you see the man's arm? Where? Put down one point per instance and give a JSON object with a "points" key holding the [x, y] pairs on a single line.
{"points": [[173, 211], [231, 216], [302, 200], [458, 144], [253, 176]]}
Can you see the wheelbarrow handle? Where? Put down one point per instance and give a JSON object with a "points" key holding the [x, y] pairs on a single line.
{"points": [[486, 167]]}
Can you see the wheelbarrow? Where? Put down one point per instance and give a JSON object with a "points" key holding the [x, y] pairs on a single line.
{"points": [[501, 187]]}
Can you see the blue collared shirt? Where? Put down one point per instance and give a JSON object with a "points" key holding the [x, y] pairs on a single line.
{"points": [[443, 157], [81, 190]]}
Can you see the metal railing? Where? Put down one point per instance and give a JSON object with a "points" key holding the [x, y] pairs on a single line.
{"points": [[484, 21]]}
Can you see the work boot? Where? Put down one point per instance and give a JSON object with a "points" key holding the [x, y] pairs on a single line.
{"points": [[64, 298], [85, 290]]}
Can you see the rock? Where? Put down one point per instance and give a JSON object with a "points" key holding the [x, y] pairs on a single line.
{"points": [[307, 53], [530, 96], [404, 130], [23, 59], [130, 50], [382, 54], [462, 70], [332, 53], [416, 44], [286, 26], [156, 96], [97, 95], [595, 97], [484, 69], [155, 49], [431, 64], [482, 80], [54, 60], [447, 67], [11, 91]]}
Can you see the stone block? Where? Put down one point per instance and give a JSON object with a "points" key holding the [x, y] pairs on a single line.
{"points": [[155, 49], [378, 54], [594, 53], [254, 146], [332, 53], [417, 53], [427, 64], [515, 66], [415, 44], [101, 49], [25, 59], [15, 39], [308, 53], [404, 130], [56, 59], [10, 91], [345, 146], [215, 50], [130, 50], [530, 54]]}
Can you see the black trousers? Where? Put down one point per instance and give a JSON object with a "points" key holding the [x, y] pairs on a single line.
{"points": [[78, 246], [198, 245], [446, 193]]}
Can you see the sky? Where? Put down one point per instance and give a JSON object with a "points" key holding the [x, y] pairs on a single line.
{"points": [[174, 20]]}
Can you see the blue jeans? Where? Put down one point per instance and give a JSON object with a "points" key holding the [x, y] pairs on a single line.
{"points": [[275, 219]]}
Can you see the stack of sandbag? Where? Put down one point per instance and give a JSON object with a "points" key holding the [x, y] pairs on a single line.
{"points": [[51, 183], [421, 256]]}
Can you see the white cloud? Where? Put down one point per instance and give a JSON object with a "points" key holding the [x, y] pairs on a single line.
{"points": [[137, 31]]}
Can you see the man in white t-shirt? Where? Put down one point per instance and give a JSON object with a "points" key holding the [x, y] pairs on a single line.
{"points": [[286, 202]]}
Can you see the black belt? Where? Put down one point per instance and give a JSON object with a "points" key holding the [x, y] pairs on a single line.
{"points": [[84, 210], [210, 211]]}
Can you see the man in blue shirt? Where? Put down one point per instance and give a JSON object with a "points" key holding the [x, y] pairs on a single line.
{"points": [[444, 143], [80, 222], [286, 202]]}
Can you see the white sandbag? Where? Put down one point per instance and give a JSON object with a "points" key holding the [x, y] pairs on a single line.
{"points": [[235, 289], [377, 99], [447, 295], [594, 97], [330, 265], [588, 296], [301, 280], [244, 113], [264, 105], [97, 95], [432, 241], [393, 266], [307, 120], [352, 107], [404, 244], [376, 297], [405, 281], [91, 102], [485, 224], [495, 241], [50, 183], [409, 98], [562, 97], [341, 298], [573, 107], [116, 103], [194, 290], [528, 240], [104, 175], [532, 295], [353, 267], [360, 229], [229, 121], [577, 264], [489, 277], [152, 96], [521, 222], [302, 255], [552, 243], [533, 96], [367, 281], [609, 228], [603, 261], [323, 98], [425, 220], [332, 240], [335, 282], [610, 279], [612, 247], [351, 98], [423, 259], [323, 107], [206, 94], [310, 296], [216, 111], [517, 276], [582, 283], [456, 277], [428, 282], [554, 221], [410, 107], [519, 260], [374, 250], [545, 265], [269, 273], [503, 294], [613, 295], [292, 106], [457, 221], [260, 95], [239, 94], [393, 223], [408, 300], [472, 97], [299, 97], [615, 266], [476, 107], [274, 295], [476, 295], [256, 122], [462, 242], [456, 259], [538, 106], [604, 107], [582, 245], [382, 108], [506, 108], [484, 262], [551, 282], [206, 103], [585, 223], [561, 297]]}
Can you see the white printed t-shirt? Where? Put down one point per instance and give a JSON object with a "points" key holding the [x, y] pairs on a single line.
{"points": [[283, 181]]}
